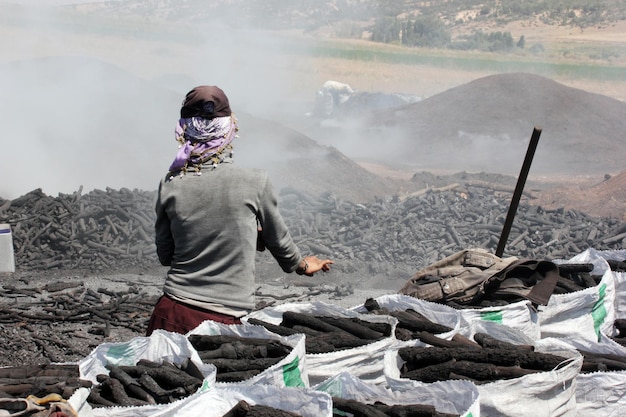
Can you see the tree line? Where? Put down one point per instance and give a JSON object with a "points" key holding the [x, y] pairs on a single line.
{"points": [[428, 31]]}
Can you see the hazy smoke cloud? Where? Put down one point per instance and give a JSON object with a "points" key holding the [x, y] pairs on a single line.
{"points": [[72, 117]]}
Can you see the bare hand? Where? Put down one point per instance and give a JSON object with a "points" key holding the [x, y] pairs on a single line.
{"points": [[316, 264]]}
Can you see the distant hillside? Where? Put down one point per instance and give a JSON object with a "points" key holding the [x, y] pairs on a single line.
{"points": [[313, 15]]}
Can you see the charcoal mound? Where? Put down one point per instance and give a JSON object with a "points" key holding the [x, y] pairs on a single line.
{"points": [[485, 125]]}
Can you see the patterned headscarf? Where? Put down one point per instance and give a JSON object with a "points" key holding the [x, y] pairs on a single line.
{"points": [[201, 140]]}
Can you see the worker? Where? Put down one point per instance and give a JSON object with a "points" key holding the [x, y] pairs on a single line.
{"points": [[211, 218]]}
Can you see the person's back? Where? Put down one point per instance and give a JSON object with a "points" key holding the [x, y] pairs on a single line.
{"points": [[213, 220], [211, 215]]}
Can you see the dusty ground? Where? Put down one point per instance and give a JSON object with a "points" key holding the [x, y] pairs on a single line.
{"points": [[29, 340]]}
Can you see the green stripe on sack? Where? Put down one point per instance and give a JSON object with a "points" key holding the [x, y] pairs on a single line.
{"points": [[598, 312], [120, 354], [495, 316], [291, 374]]}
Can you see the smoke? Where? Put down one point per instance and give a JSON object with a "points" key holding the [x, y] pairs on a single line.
{"points": [[91, 99], [92, 110]]}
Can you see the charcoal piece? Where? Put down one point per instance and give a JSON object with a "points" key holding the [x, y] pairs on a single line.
{"points": [[161, 395], [620, 326], [565, 285], [415, 357], [429, 373], [602, 361], [434, 340], [416, 321], [487, 341], [573, 268], [354, 326], [292, 318], [419, 357], [617, 265], [244, 409], [211, 342], [509, 357], [166, 376], [307, 331], [411, 410], [237, 365], [408, 319], [279, 330], [313, 345], [239, 350], [356, 408], [342, 340], [51, 369], [382, 328], [487, 371], [236, 376], [405, 334], [97, 400], [118, 393], [371, 304], [464, 341], [131, 385]]}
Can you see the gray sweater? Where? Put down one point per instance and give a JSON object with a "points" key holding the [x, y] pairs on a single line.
{"points": [[206, 231]]}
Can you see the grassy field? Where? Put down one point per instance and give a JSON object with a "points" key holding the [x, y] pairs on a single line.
{"points": [[593, 59]]}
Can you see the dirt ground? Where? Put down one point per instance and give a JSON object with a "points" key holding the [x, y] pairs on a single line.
{"points": [[29, 340]]}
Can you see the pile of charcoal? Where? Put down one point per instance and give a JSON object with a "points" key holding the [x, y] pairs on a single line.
{"points": [[326, 333], [411, 324], [343, 407], [487, 359], [145, 383], [64, 320], [482, 361], [101, 230], [245, 409], [238, 358], [40, 380], [113, 229]]}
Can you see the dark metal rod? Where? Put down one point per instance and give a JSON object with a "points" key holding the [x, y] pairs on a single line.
{"points": [[519, 188]]}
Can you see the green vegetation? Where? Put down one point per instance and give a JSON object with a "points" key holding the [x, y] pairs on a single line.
{"points": [[431, 24], [486, 62]]}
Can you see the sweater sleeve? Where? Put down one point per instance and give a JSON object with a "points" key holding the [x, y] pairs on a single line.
{"points": [[163, 236], [274, 232]]}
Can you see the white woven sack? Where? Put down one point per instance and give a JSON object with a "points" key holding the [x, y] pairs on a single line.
{"points": [[600, 266], [217, 401], [365, 362], [547, 394], [160, 346], [584, 314], [289, 371], [453, 397], [521, 316], [600, 393]]}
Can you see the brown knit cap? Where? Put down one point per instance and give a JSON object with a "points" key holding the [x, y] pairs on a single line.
{"points": [[205, 101]]}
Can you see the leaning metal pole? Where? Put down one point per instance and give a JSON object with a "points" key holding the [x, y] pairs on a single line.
{"points": [[519, 188]]}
